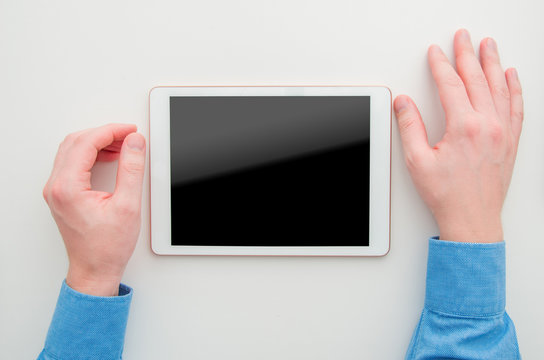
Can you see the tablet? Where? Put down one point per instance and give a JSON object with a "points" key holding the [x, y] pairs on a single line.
{"points": [[270, 170]]}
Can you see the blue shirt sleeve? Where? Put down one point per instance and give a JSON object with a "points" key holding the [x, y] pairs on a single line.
{"points": [[464, 314], [87, 327]]}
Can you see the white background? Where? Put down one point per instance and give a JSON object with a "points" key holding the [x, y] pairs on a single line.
{"points": [[69, 65]]}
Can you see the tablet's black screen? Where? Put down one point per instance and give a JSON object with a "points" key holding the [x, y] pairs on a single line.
{"points": [[270, 170]]}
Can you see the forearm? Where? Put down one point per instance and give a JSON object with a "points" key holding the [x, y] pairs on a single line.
{"points": [[464, 315], [86, 326]]}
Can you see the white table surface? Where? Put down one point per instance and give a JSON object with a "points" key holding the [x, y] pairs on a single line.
{"points": [[69, 65]]}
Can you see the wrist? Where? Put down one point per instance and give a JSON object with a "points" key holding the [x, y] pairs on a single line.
{"points": [[470, 224], [488, 233], [91, 284]]}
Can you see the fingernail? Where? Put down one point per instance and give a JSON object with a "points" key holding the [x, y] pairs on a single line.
{"points": [[400, 104], [515, 74], [136, 142], [492, 44], [464, 34], [434, 48]]}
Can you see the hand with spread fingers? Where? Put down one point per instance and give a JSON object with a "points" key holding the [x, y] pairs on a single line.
{"points": [[464, 178], [99, 229]]}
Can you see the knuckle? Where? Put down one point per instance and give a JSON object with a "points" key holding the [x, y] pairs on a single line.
{"points": [[501, 91], [70, 141], [452, 81], [69, 138], [518, 115], [78, 140], [497, 133], [465, 58], [490, 58], [58, 192], [406, 124], [477, 79], [472, 128], [45, 193], [133, 167], [127, 207], [65, 143]]}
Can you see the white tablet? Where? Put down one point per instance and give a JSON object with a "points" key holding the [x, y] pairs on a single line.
{"points": [[270, 170]]}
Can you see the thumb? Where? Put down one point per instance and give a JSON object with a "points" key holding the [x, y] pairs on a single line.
{"points": [[412, 130], [130, 173]]}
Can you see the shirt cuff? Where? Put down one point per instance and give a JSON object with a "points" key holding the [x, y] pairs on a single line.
{"points": [[88, 327], [465, 279]]}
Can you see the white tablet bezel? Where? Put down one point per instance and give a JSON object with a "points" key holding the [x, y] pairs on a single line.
{"points": [[380, 165]]}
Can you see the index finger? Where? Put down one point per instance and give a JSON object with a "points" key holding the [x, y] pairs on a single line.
{"points": [[451, 88], [471, 72], [81, 154]]}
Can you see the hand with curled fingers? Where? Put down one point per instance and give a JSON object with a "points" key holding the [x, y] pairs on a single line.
{"points": [[99, 229], [464, 178]]}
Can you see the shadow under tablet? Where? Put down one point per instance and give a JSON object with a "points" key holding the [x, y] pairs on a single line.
{"points": [[270, 171]]}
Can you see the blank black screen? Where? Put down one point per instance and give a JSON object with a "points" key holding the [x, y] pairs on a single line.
{"points": [[270, 170]]}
